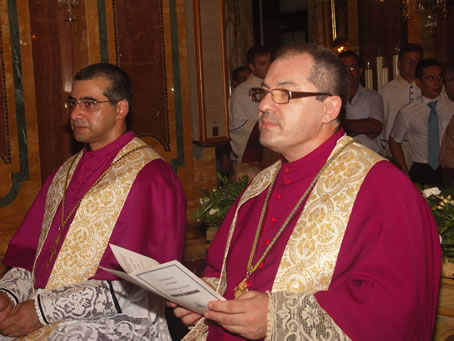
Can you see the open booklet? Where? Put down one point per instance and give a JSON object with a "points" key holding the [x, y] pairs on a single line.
{"points": [[171, 280]]}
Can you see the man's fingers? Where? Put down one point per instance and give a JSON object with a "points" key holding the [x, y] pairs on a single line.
{"points": [[5, 326], [228, 307], [226, 320], [181, 312], [171, 304], [191, 319], [187, 316]]}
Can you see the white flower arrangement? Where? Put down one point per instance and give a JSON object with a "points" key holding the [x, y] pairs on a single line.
{"points": [[442, 205]]}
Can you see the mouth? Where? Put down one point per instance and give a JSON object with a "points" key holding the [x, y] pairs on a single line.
{"points": [[266, 124], [78, 125]]}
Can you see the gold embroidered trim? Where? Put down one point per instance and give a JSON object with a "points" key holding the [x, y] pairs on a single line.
{"points": [[95, 219], [353, 164], [311, 253]]}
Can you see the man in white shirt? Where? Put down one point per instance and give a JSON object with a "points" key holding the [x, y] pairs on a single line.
{"points": [[400, 91], [243, 112], [364, 109], [412, 121]]}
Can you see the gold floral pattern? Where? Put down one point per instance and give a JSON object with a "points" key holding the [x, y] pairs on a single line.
{"points": [[311, 253], [90, 230]]}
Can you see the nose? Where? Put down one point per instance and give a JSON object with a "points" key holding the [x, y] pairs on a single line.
{"points": [[75, 112], [266, 102]]}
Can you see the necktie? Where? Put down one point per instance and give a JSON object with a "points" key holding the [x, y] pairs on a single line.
{"points": [[433, 138]]}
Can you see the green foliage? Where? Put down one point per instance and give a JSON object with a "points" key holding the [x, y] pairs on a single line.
{"points": [[216, 203], [442, 205]]}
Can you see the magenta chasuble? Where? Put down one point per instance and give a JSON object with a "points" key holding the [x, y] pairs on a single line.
{"points": [[384, 280]]}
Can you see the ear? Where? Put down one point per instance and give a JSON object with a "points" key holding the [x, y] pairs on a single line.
{"points": [[122, 108], [332, 106], [251, 67]]}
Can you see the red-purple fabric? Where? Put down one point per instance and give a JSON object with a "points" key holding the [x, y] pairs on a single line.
{"points": [[254, 150], [152, 221], [385, 283]]}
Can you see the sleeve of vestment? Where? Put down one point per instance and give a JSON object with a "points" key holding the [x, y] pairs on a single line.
{"points": [[400, 128], [21, 250], [385, 282], [153, 219], [87, 300], [300, 317], [17, 283]]}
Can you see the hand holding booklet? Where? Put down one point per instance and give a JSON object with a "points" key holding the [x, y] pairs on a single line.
{"points": [[171, 280]]}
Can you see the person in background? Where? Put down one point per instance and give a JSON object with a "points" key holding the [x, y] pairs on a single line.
{"points": [[399, 92], [304, 253], [449, 83], [447, 142], [364, 116], [424, 122], [239, 75], [117, 190], [242, 111]]}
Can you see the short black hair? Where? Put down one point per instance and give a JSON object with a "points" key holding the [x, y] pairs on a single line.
{"points": [[120, 84], [236, 72], [349, 53], [256, 51], [328, 73], [410, 47], [425, 63]]}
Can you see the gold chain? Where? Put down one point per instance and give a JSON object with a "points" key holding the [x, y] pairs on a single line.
{"points": [[241, 288], [64, 220]]}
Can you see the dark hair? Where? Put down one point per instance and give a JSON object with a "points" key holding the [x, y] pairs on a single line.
{"points": [[236, 72], [120, 85], [348, 53], [328, 73], [256, 51], [425, 63], [449, 73], [410, 48]]}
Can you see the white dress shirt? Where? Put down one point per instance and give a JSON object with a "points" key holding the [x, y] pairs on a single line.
{"points": [[412, 121]]}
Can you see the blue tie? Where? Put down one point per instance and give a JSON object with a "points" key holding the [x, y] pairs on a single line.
{"points": [[433, 137]]}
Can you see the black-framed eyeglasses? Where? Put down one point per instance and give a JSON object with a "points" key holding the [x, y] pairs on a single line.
{"points": [[281, 96], [85, 105]]}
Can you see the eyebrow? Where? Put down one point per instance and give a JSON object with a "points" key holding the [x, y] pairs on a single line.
{"points": [[281, 84], [85, 98]]}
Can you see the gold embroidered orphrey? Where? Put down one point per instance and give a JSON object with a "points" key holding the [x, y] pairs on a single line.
{"points": [[93, 222], [242, 287], [311, 253], [64, 220]]}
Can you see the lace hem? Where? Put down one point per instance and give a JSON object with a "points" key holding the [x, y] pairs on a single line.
{"points": [[17, 284], [300, 317], [88, 300]]}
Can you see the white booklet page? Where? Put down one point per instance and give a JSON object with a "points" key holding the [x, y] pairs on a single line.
{"points": [[171, 280]]}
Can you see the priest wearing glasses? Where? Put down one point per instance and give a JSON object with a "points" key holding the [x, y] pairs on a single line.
{"points": [[317, 248], [115, 190]]}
